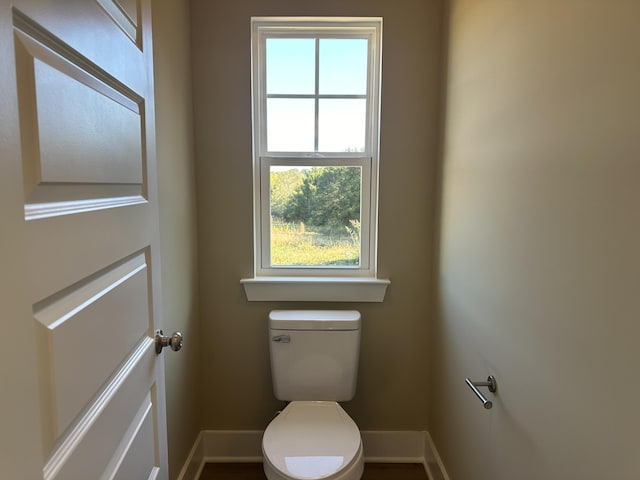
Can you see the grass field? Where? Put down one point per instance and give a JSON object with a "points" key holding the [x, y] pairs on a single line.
{"points": [[295, 245]]}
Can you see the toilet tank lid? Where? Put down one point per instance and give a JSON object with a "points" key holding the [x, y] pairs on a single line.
{"points": [[314, 320]]}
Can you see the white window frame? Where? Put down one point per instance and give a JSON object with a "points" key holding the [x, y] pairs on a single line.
{"points": [[329, 276]]}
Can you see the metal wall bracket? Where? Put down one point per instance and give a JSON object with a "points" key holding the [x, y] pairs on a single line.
{"points": [[490, 383]]}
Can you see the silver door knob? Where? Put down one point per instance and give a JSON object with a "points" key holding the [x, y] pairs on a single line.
{"points": [[174, 341]]}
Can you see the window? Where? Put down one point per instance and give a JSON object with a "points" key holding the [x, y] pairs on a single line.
{"points": [[316, 102]]}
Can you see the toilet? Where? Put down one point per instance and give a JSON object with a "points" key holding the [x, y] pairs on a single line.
{"points": [[314, 365]]}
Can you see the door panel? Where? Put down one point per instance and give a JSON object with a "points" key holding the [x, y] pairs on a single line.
{"points": [[87, 449], [84, 136], [116, 300], [125, 14], [81, 129], [82, 107], [134, 458], [85, 28]]}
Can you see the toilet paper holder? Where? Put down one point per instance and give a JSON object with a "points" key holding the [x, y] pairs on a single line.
{"points": [[493, 387]]}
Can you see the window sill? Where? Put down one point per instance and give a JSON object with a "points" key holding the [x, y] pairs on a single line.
{"points": [[318, 289]]}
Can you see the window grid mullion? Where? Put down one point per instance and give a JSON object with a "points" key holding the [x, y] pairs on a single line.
{"points": [[310, 96], [317, 100]]}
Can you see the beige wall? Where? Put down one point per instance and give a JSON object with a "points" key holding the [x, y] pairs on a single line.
{"points": [[394, 372], [540, 229], [177, 223]]}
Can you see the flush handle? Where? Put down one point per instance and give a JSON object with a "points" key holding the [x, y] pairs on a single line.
{"points": [[281, 338]]}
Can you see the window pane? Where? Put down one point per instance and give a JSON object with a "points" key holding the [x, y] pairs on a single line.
{"points": [[343, 66], [315, 216], [290, 125], [342, 125], [291, 65]]}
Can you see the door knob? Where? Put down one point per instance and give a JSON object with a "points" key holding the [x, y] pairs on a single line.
{"points": [[174, 341]]}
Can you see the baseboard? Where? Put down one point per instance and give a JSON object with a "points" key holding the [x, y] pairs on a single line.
{"points": [[192, 467], [379, 446], [392, 446], [432, 461]]}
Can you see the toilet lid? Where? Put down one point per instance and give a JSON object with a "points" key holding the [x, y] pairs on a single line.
{"points": [[311, 440]]}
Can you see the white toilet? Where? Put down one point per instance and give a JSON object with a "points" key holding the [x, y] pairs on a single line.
{"points": [[314, 365]]}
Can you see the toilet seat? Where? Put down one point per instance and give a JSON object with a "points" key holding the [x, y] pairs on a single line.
{"points": [[312, 440]]}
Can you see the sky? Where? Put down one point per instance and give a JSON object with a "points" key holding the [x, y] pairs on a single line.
{"points": [[291, 71]]}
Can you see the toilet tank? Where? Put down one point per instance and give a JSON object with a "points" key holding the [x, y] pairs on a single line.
{"points": [[314, 354]]}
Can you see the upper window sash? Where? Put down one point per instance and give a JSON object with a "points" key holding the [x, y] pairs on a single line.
{"points": [[347, 28]]}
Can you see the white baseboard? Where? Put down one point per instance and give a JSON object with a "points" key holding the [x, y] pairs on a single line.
{"points": [[432, 461], [393, 446], [213, 446], [195, 461]]}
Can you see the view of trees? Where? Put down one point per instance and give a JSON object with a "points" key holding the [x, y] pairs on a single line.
{"points": [[283, 185], [315, 216], [319, 196]]}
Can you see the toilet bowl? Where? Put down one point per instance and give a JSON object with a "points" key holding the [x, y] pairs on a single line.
{"points": [[312, 440]]}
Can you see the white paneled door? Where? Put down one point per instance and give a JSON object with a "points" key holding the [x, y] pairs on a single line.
{"points": [[82, 389]]}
